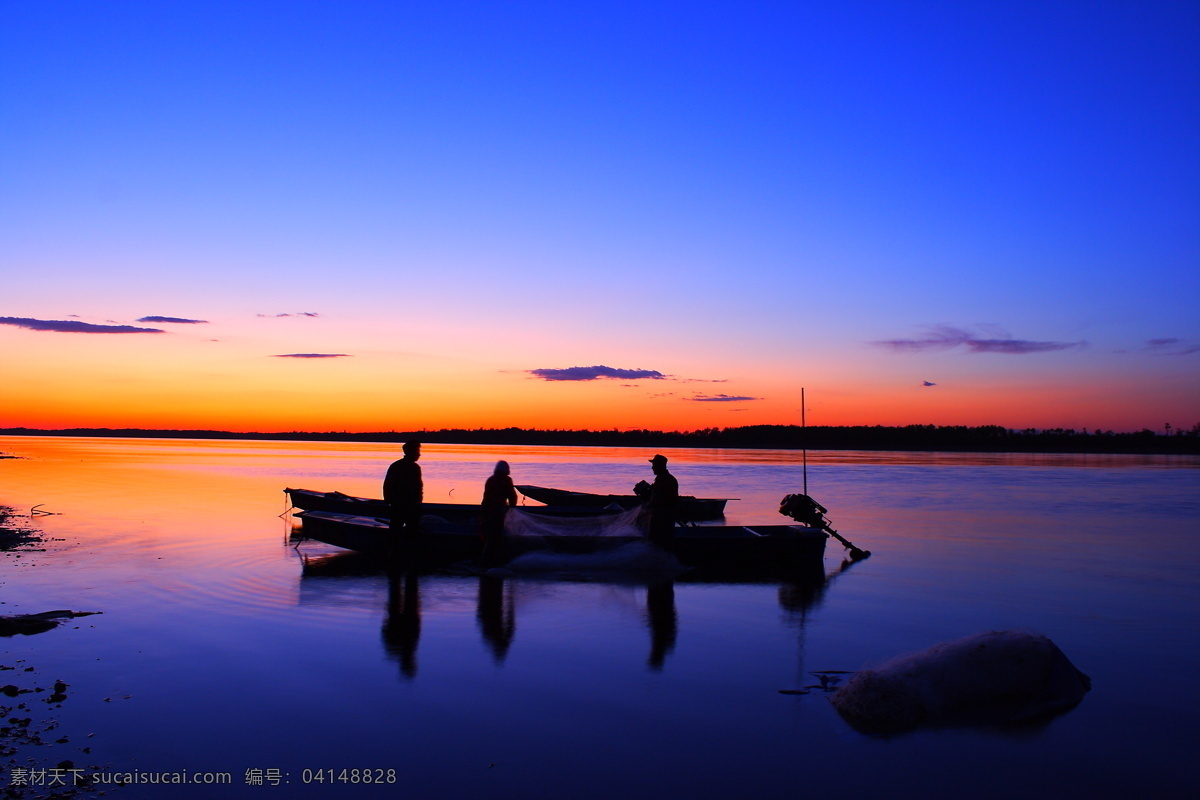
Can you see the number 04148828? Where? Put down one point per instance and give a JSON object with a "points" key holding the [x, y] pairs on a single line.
{"points": [[348, 776]]}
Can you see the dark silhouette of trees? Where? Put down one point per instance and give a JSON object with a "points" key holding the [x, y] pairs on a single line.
{"points": [[948, 438]]}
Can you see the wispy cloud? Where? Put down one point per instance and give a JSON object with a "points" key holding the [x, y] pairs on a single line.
{"points": [[945, 338], [174, 320], [1172, 346], [71, 326], [297, 314], [1017, 346], [593, 373], [722, 398], [312, 355]]}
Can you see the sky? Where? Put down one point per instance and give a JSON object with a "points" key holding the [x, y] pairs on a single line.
{"points": [[373, 216]]}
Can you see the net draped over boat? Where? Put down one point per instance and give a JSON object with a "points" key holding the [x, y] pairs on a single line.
{"points": [[624, 524]]}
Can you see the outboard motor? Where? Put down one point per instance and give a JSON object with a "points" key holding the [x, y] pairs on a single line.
{"points": [[809, 512], [804, 510]]}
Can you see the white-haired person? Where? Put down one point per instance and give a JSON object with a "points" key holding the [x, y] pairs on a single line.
{"points": [[499, 495]]}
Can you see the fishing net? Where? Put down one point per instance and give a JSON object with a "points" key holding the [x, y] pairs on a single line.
{"points": [[625, 524], [631, 557]]}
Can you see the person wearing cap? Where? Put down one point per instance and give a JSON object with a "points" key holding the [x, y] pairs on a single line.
{"points": [[499, 495], [404, 491], [664, 497]]}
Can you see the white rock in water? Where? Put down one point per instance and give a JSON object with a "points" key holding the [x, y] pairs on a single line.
{"points": [[986, 679]]}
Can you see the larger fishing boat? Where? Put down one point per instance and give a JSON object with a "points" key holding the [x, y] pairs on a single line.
{"points": [[782, 547]]}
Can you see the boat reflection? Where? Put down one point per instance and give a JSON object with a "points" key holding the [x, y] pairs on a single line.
{"points": [[800, 597], [350, 579]]}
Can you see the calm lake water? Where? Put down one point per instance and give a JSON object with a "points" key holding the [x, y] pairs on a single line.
{"points": [[219, 650]]}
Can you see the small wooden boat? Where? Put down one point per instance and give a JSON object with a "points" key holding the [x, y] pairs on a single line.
{"points": [[310, 500], [779, 547], [371, 535], [338, 503], [689, 509]]}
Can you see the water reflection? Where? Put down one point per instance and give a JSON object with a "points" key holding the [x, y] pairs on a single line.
{"points": [[402, 621], [660, 614], [1103, 559], [497, 615], [344, 580], [802, 594]]}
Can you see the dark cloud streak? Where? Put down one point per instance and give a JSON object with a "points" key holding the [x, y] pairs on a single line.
{"points": [[312, 355], [1017, 346], [593, 373], [946, 338], [174, 320], [71, 326], [1172, 346]]}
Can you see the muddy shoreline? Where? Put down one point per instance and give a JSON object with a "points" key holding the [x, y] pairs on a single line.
{"points": [[13, 535], [30, 737]]}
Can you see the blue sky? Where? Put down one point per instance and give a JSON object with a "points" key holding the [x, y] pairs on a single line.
{"points": [[757, 193]]}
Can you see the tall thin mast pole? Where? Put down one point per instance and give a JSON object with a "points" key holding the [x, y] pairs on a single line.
{"points": [[804, 438]]}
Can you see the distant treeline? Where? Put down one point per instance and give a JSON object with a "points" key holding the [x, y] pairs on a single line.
{"points": [[951, 438]]}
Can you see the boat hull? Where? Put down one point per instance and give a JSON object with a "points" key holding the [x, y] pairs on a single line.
{"points": [[780, 547]]}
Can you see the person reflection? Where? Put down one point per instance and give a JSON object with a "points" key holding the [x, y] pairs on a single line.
{"points": [[496, 615], [660, 614], [402, 624]]}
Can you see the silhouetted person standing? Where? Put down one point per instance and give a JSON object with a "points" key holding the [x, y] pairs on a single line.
{"points": [[499, 495], [404, 491], [664, 497]]}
